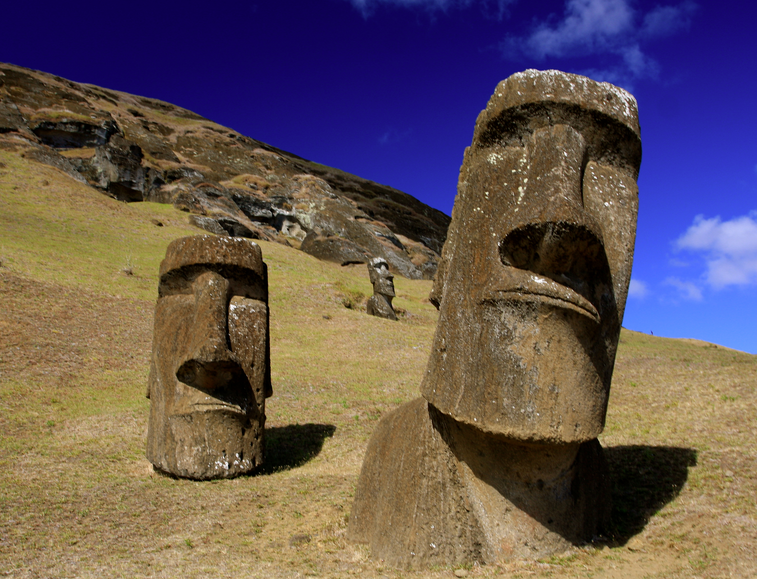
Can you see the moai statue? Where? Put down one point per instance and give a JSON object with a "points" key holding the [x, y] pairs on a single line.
{"points": [[380, 303], [210, 372], [499, 459]]}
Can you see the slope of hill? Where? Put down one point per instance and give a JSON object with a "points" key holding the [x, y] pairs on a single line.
{"points": [[134, 148], [78, 282]]}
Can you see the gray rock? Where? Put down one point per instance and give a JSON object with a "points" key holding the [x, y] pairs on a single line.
{"points": [[117, 168], [68, 133], [11, 120], [333, 248], [44, 154], [207, 223]]}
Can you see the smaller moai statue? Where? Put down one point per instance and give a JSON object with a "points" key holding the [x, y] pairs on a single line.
{"points": [[210, 372], [380, 303]]}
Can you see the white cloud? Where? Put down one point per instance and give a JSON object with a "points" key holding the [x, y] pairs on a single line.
{"points": [[603, 27], [729, 248], [637, 63], [588, 26], [368, 7], [666, 20], [392, 135], [610, 28], [638, 289], [686, 289]]}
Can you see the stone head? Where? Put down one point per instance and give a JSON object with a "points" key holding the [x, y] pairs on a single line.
{"points": [[381, 278], [210, 370], [536, 266]]}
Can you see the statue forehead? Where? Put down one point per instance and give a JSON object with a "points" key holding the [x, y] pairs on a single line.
{"points": [[559, 91], [210, 251]]}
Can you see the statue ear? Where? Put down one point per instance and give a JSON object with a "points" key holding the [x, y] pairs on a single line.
{"points": [[435, 297]]}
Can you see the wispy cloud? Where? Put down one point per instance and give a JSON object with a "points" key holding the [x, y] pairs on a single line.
{"points": [[607, 28], [588, 26], [638, 289], [667, 20], [729, 249], [603, 27], [494, 8], [392, 136], [686, 290]]}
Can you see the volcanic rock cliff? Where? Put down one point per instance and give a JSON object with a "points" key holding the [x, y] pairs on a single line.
{"points": [[140, 149]]}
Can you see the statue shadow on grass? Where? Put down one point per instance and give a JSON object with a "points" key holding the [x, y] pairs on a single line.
{"points": [[291, 446], [644, 479]]}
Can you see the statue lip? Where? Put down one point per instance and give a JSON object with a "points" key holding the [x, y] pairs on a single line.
{"points": [[218, 406], [534, 287]]}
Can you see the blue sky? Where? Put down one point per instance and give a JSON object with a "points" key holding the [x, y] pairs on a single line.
{"points": [[390, 90]]}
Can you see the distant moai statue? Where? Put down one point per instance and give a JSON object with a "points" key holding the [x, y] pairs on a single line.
{"points": [[210, 372], [380, 303], [500, 458]]}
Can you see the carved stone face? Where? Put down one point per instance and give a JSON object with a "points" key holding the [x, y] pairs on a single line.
{"points": [[538, 259], [382, 280], [210, 371]]}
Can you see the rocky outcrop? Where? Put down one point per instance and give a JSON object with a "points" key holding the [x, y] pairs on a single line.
{"points": [[68, 133], [134, 148]]}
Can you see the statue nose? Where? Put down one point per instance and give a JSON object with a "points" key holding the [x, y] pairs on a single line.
{"points": [[558, 238], [210, 363], [554, 184]]}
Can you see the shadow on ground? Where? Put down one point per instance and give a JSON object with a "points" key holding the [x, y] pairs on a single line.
{"points": [[644, 479], [292, 446]]}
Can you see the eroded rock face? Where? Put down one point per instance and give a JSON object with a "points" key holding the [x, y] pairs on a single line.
{"points": [[380, 303], [117, 167], [531, 289], [140, 149], [70, 133], [210, 368]]}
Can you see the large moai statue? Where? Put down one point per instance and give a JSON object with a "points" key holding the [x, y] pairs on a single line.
{"points": [[210, 372], [380, 303], [499, 459]]}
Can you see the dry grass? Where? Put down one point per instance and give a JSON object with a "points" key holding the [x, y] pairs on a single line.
{"points": [[78, 498]]}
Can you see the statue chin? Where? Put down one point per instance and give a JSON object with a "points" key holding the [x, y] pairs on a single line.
{"points": [[211, 444], [546, 394]]}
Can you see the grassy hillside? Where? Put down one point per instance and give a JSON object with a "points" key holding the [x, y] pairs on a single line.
{"points": [[78, 280]]}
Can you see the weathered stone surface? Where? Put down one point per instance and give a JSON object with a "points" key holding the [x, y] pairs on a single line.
{"points": [[434, 491], [500, 458], [207, 223], [224, 226], [11, 120], [210, 368], [49, 156], [117, 168], [538, 261], [67, 133], [334, 248], [380, 303], [211, 171], [151, 137]]}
